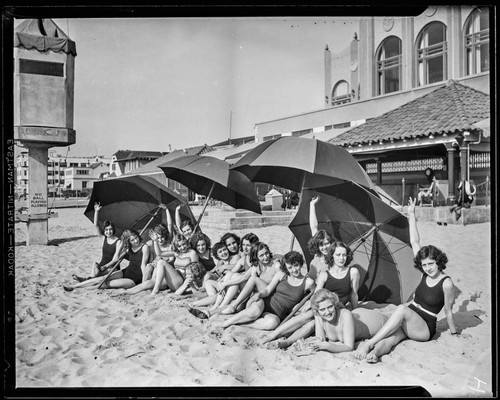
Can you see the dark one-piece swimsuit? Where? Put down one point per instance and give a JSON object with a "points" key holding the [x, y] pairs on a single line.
{"points": [[284, 298], [341, 287], [108, 251], [133, 270], [430, 299]]}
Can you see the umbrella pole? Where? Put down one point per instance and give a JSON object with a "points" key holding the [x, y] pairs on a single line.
{"points": [[374, 228], [204, 207], [122, 256]]}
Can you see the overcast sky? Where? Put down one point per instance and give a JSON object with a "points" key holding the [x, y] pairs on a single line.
{"points": [[147, 84]]}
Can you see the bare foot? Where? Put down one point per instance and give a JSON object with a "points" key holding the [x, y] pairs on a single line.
{"points": [[372, 358], [229, 310], [362, 351]]}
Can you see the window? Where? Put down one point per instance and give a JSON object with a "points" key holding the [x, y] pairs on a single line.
{"points": [[477, 39], [432, 54], [389, 66], [41, 67], [84, 184], [341, 93]]}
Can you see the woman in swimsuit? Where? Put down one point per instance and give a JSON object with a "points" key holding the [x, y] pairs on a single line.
{"points": [[194, 279], [416, 320], [268, 307], [111, 248], [337, 329], [138, 256], [203, 246], [319, 242]]}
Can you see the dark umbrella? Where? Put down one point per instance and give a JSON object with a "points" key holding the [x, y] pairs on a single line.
{"points": [[132, 202], [377, 233], [212, 178], [294, 162]]}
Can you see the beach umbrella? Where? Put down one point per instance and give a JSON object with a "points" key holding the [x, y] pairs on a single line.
{"points": [[211, 177], [377, 233], [294, 162], [132, 202]]}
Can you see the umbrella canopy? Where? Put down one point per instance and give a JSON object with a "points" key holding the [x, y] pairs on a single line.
{"points": [[131, 202], [211, 177], [378, 234], [296, 162]]}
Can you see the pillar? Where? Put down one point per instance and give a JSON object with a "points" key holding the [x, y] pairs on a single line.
{"points": [[463, 161], [379, 172], [38, 232], [451, 174]]}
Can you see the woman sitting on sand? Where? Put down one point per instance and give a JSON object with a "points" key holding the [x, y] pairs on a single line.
{"points": [[318, 244], [416, 320], [186, 228], [160, 248], [340, 279], [184, 254], [194, 279], [337, 328], [268, 307], [138, 256], [232, 242], [203, 246], [111, 248]]}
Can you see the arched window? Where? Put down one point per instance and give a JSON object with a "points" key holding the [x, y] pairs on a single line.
{"points": [[432, 54], [477, 38], [341, 93], [389, 66]]}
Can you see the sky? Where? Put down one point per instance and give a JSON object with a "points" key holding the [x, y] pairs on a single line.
{"points": [[164, 84]]}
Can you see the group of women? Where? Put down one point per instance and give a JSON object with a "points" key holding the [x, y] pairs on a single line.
{"points": [[243, 279]]}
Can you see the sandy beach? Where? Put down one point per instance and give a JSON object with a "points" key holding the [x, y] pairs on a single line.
{"points": [[93, 339]]}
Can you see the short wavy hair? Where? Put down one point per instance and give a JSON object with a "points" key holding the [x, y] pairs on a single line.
{"points": [[433, 253], [197, 269], [193, 240], [322, 295], [331, 251], [109, 223], [251, 237], [162, 231], [314, 243], [292, 257], [177, 239], [254, 251], [217, 246]]}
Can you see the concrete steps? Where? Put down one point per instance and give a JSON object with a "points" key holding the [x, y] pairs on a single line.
{"points": [[246, 219]]}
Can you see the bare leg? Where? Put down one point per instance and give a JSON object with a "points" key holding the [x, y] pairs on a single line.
{"points": [[172, 277], [253, 282], [385, 346], [210, 287], [206, 301], [290, 326], [148, 285], [247, 315], [267, 322], [413, 326], [148, 272]]}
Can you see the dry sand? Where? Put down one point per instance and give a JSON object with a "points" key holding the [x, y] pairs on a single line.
{"points": [[89, 338]]}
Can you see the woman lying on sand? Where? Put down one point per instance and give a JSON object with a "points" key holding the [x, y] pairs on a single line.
{"points": [[267, 308], [111, 248], [416, 320], [138, 256], [337, 328]]}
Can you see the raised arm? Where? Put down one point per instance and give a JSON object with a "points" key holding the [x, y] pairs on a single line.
{"points": [[97, 207], [414, 236], [313, 219], [178, 220], [169, 219]]}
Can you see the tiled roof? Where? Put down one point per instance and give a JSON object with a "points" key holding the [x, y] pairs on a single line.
{"points": [[124, 155], [152, 167], [451, 108]]}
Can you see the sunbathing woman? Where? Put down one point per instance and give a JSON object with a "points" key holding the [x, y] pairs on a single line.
{"points": [[318, 244], [268, 307], [138, 256], [340, 279], [111, 248], [336, 328], [416, 320]]}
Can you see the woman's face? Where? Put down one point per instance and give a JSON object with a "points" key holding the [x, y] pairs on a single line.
{"points": [[223, 253], [294, 269], [339, 256], [264, 256], [189, 274], [108, 231], [182, 246], [324, 245], [201, 246], [246, 246], [232, 245], [187, 231], [161, 239], [134, 240], [430, 267], [326, 310]]}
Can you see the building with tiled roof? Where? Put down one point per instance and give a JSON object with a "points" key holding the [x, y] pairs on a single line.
{"points": [[124, 161], [406, 98]]}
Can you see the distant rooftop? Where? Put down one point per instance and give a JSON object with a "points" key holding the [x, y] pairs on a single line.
{"points": [[126, 155]]}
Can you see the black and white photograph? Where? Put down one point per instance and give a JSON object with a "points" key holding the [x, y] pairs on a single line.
{"points": [[247, 201]]}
